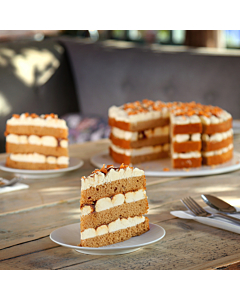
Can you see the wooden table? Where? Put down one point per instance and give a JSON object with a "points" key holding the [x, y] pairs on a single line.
{"points": [[27, 217]]}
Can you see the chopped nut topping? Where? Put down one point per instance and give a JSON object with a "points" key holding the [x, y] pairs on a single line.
{"points": [[16, 116], [103, 169], [34, 116]]}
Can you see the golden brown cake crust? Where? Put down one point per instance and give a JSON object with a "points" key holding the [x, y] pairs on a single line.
{"points": [[32, 166], [30, 148], [107, 216], [187, 146], [187, 162], [116, 236], [218, 128], [110, 189], [212, 146], [37, 130], [187, 128], [218, 159]]}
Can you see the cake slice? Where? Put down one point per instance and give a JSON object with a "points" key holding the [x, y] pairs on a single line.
{"points": [[139, 131], [113, 202], [186, 129], [36, 142]]}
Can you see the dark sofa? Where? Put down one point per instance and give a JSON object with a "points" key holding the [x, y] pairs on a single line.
{"points": [[112, 72]]}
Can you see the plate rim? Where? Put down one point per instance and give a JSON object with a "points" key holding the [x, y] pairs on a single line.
{"points": [[107, 249], [193, 173], [43, 172]]}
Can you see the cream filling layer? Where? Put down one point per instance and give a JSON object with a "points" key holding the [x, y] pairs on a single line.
{"points": [[48, 141], [217, 137], [39, 121], [180, 138], [142, 150], [187, 155], [112, 227], [117, 200], [183, 120], [113, 175], [39, 158], [134, 136], [217, 152], [224, 116]]}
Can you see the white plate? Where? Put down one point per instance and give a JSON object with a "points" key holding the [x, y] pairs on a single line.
{"points": [[74, 163], [155, 168], [69, 236], [236, 126]]}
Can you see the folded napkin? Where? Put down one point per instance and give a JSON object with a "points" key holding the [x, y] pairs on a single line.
{"points": [[215, 222], [15, 187]]}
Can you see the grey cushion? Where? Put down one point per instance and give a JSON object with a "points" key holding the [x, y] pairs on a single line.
{"points": [[108, 74]]}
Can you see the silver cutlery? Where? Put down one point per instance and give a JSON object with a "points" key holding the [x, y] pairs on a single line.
{"points": [[11, 182], [218, 204], [197, 210]]}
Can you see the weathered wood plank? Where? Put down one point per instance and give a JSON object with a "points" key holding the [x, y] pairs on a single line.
{"points": [[233, 266], [187, 245], [33, 246]]}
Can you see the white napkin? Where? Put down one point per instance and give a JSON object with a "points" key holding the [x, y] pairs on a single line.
{"points": [[215, 222], [15, 187]]}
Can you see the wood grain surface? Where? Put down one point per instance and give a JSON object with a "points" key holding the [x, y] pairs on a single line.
{"points": [[27, 218]]}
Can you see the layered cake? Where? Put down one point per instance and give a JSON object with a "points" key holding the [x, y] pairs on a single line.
{"points": [[113, 202], [37, 142], [139, 131], [191, 134]]}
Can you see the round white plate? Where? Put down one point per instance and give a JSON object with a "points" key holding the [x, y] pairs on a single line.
{"points": [[74, 163], [155, 168], [236, 126], [69, 236]]}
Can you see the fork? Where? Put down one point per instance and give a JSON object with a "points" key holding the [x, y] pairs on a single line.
{"points": [[198, 211], [10, 182]]}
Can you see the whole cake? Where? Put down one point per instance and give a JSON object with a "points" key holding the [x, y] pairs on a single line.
{"points": [[192, 134], [112, 204], [36, 142]]}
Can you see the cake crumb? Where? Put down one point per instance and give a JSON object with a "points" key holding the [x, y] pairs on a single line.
{"points": [[186, 170], [166, 169], [213, 167]]}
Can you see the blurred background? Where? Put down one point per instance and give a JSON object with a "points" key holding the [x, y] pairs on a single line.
{"points": [[79, 74]]}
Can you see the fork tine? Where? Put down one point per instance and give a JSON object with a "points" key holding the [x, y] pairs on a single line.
{"points": [[189, 205], [193, 205], [200, 209]]}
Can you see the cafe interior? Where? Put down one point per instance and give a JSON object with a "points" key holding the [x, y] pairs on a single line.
{"points": [[78, 75]]}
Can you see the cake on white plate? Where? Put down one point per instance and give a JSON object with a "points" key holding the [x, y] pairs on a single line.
{"points": [[113, 203], [37, 142], [191, 134]]}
